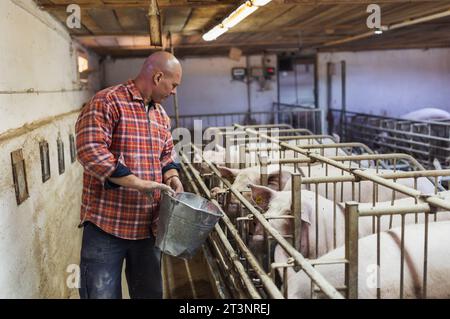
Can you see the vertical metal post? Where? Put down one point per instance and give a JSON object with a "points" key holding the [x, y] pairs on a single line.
{"points": [[351, 249], [343, 96], [316, 82], [228, 152], [242, 157], [296, 84], [175, 96], [264, 171], [296, 209], [278, 94], [329, 96], [249, 87]]}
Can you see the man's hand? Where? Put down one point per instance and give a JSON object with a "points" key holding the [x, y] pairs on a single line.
{"points": [[149, 186], [175, 184], [141, 185]]}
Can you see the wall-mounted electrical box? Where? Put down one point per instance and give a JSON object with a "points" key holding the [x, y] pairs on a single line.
{"points": [[256, 72], [238, 74], [269, 72]]}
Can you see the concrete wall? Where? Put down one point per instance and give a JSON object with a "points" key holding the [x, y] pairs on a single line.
{"points": [[206, 86], [39, 238], [391, 82], [297, 86]]}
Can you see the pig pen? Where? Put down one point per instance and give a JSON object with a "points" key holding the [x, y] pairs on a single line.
{"points": [[425, 140], [245, 274]]}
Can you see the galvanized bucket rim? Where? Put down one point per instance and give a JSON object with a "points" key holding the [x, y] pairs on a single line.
{"points": [[218, 214]]}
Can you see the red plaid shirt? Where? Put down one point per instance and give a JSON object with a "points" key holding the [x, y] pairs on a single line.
{"points": [[115, 127]]}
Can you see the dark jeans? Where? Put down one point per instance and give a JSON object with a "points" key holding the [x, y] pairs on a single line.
{"points": [[102, 257]]}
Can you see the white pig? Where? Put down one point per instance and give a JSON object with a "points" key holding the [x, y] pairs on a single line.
{"points": [[241, 178], [427, 114], [276, 204], [438, 279]]}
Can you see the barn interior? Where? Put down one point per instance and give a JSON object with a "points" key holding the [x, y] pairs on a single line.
{"points": [[328, 92]]}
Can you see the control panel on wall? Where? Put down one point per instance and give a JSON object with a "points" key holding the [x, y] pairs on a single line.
{"points": [[238, 74]]}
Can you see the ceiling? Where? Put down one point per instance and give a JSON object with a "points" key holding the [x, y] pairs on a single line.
{"points": [[121, 28]]}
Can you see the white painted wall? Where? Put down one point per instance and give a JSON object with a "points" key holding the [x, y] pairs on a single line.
{"points": [[300, 90], [39, 238], [206, 86], [392, 82], [36, 53]]}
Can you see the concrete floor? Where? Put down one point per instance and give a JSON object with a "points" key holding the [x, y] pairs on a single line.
{"points": [[186, 279]]}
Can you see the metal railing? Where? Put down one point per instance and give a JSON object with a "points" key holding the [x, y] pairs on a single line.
{"points": [[298, 118], [246, 254], [425, 140], [350, 174]]}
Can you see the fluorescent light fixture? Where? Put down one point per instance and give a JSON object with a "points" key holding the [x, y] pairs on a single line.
{"points": [[242, 12], [260, 3], [215, 32], [378, 31], [239, 14]]}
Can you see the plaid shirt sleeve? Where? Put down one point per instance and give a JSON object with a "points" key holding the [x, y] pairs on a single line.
{"points": [[168, 154], [94, 135]]}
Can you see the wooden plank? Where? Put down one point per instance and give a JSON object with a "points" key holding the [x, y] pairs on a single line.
{"points": [[174, 19], [115, 4], [203, 18], [133, 19], [106, 20]]}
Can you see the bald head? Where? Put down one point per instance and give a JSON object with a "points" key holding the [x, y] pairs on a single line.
{"points": [[160, 61], [159, 76]]}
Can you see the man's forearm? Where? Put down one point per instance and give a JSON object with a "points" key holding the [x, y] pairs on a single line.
{"points": [[130, 181]]}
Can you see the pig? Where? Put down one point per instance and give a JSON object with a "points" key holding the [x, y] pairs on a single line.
{"points": [[438, 280], [241, 178], [279, 203], [427, 114]]}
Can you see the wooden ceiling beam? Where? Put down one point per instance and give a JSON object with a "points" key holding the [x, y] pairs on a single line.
{"points": [[400, 25], [346, 2], [137, 4]]}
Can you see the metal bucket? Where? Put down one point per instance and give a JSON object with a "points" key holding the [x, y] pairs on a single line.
{"points": [[185, 221]]}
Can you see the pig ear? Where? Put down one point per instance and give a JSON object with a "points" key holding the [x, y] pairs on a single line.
{"points": [[261, 195], [219, 148], [307, 211], [228, 173], [278, 181], [337, 138], [437, 165]]}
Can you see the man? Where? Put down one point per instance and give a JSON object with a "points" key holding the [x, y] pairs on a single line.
{"points": [[125, 146]]}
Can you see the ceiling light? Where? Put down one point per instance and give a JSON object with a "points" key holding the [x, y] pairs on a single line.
{"points": [[242, 12], [215, 32], [239, 14], [260, 3], [378, 31]]}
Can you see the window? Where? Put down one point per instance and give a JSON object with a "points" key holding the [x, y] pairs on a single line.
{"points": [[83, 67]]}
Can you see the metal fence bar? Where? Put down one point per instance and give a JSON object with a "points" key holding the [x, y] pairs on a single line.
{"points": [[317, 278]]}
